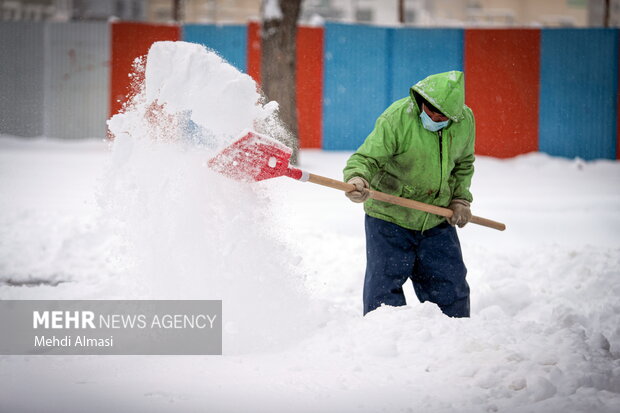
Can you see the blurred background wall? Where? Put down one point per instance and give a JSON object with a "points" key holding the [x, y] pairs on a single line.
{"points": [[540, 74], [548, 13]]}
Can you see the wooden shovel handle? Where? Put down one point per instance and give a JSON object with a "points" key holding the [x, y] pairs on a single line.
{"points": [[407, 203]]}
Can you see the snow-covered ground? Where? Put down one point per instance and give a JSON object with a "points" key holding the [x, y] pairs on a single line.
{"points": [[544, 333], [145, 218]]}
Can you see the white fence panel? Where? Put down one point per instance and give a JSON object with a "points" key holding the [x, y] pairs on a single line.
{"points": [[21, 78]]}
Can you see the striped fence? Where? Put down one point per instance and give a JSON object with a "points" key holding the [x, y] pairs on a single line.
{"points": [[549, 90]]}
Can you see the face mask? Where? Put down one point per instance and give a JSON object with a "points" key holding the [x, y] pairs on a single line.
{"points": [[430, 124]]}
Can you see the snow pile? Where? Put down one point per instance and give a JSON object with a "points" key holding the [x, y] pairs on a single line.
{"points": [[191, 92], [48, 237], [544, 334], [191, 233], [545, 328]]}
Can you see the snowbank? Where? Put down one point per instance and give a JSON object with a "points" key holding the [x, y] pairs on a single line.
{"points": [[544, 333]]}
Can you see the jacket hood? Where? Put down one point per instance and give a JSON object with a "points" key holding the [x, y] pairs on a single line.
{"points": [[445, 91]]}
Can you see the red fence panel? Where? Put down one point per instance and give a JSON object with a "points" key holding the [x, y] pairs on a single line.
{"points": [[502, 70], [131, 40], [309, 83], [254, 51]]}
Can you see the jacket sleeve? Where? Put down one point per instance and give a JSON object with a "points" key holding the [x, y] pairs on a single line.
{"points": [[377, 149], [464, 167]]}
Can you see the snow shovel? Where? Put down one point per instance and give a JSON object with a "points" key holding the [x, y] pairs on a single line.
{"points": [[256, 157]]}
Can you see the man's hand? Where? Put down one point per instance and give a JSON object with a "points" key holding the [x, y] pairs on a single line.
{"points": [[361, 192], [461, 214]]}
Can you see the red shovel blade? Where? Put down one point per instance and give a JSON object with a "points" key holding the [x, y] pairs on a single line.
{"points": [[254, 157]]}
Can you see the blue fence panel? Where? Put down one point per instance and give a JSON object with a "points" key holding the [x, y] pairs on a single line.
{"points": [[355, 78], [418, 53], [228, 41], [578, 93]]}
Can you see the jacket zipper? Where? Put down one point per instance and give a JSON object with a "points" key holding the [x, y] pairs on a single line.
{"points": [[440, 134]]}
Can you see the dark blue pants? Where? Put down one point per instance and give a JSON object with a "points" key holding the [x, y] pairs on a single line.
{"points": [[432, 259]]}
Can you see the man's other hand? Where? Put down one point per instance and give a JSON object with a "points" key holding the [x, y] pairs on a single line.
{"points": [[461, 214], [361, 192]]}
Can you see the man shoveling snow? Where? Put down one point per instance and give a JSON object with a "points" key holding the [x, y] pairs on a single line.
{"points": [[422, 148]]}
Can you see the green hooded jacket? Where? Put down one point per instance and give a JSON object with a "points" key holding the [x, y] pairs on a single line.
{"points": [[400, 157]]}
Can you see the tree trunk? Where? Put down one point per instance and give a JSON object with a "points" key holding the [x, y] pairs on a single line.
{"points": [[606, 14], [279, 35], [177, 11]]}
